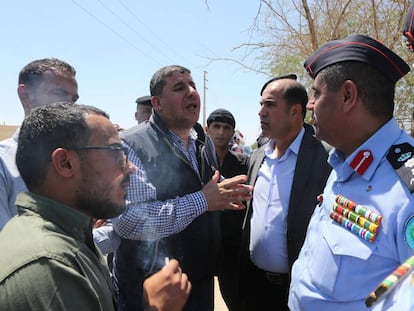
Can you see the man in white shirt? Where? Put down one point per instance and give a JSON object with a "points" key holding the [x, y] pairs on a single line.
{"points": [[41, 82], [288, 173]]}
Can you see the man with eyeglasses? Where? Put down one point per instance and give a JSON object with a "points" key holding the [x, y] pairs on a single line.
{"points": [[171, 196], [75, 168], [41, 82]]}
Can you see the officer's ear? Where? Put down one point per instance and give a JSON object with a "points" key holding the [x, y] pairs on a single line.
{"points": [[349, 93]]}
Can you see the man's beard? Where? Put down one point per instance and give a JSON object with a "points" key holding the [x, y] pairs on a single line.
{"points": [[97, 206], [93, 197]]}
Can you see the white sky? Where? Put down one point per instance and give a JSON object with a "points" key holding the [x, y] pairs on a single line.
{"points": [[116, 46]]}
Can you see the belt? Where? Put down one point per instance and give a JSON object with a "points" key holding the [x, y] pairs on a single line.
{"points": [[277, 278]]}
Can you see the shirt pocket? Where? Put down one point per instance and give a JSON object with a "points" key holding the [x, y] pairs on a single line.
{"points": [[340, 263]]}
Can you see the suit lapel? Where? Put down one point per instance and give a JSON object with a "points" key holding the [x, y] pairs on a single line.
{"points": [[255, 162], [303, 165]]}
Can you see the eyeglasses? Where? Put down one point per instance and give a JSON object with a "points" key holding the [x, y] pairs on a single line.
{"points": [[123, 153]]}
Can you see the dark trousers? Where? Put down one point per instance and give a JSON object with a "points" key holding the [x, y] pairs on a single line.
{"points": [[130, 294], [136, 260], [130, 298], [265, 290], [227, 274], [202, 296]]}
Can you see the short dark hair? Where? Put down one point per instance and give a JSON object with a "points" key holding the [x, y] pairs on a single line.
{"points": [[290, 76], [33, 72], [295, 93], [158, 79], [375, 89], [46, 128]]}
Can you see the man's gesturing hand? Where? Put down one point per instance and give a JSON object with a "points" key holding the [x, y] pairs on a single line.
{"points": [[228, 194]]}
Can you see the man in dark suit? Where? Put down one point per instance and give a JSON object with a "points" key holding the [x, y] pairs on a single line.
{"points": [[289, 172]]}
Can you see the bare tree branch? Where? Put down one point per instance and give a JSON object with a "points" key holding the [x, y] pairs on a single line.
{"points": [[232, 60]]}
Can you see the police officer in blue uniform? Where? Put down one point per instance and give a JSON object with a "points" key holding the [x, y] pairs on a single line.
{"points": [[363, 227]]}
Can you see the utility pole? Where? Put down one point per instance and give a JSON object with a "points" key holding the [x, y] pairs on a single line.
{"points": [[204, 98]]}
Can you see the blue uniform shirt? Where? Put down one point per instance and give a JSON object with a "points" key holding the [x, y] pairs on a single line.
{"points": [[337, 269]]}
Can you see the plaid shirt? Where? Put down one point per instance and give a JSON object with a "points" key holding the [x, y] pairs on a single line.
{"points": [[147, 218]]}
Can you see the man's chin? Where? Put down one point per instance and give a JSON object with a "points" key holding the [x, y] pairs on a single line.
{"points": [[265, 132], [118, 210], [111, 211]]}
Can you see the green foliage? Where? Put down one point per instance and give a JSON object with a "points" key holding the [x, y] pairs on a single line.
{"points": [[291, 30]]}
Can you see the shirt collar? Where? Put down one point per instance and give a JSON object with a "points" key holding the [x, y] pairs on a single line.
{"points": [[378, 145], [72, 221], [156, 120], [179, 142], [293, 147]]}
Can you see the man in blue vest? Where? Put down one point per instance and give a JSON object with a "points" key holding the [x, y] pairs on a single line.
{"points": [[172, 197]]}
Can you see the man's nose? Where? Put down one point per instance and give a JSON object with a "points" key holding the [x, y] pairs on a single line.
{"points": [[129, 168]]}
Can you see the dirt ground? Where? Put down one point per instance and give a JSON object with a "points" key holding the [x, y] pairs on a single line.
{"points": [[219, 304], [7, 131]]}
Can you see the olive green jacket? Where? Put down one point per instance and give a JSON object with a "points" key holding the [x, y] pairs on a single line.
{"points": [[49, 261]]}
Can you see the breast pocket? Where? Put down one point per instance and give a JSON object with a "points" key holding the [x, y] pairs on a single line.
{"points": [[342, 259]]}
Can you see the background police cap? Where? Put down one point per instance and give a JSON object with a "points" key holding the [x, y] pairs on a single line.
{"points": [[357, 48], [221, 115], [144, 100]]}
